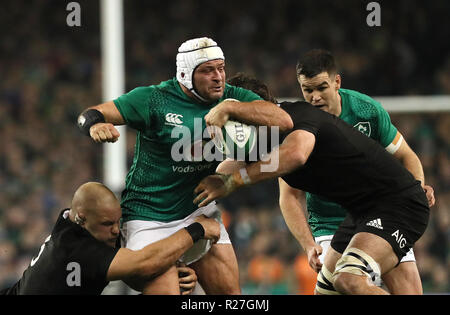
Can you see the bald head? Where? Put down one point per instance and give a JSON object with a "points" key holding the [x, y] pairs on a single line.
{"points": [[96, 208], [91, 196]]}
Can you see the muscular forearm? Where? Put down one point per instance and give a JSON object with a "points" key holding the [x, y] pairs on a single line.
{"points": [[110, 112], [221, 185], [98, 122], [280, 162], [410, 161], [413, 165], [158, 257], [290, 155], [136, 266], [295, 218], [260, 113]]}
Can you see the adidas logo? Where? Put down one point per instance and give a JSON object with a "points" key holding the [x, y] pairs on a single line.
{"points": [[375, 223]]}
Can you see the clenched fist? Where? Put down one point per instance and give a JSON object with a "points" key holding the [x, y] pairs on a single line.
{"points": [[104, 132]]}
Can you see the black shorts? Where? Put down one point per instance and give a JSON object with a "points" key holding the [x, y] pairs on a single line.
{"points": [[401, 221]]}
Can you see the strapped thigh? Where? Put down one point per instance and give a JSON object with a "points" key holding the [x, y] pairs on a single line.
{"points": [[356, 261]]}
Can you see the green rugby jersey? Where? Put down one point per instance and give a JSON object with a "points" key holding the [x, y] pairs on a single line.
{"points": [[369, 117], [160, 183]]}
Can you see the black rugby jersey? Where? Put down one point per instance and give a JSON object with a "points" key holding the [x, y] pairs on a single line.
{"points": [[71, 261], [346, 166]]}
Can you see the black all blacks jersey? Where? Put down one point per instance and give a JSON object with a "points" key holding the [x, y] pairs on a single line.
{"points": [[71, 261], [346, 166]]}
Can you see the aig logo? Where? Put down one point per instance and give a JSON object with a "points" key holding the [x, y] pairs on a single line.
{"points": [[399, 238], [174, 119], [240, 135]]}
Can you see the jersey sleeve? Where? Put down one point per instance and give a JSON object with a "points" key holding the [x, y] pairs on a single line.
{"points": [[304, 116], [98, 257], [135, 108], [388, 135]]}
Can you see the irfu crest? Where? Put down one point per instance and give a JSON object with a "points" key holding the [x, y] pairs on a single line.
{"points": [[363, 127]]}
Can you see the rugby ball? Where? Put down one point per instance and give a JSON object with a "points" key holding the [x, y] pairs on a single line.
{"points": [[236, 140]]}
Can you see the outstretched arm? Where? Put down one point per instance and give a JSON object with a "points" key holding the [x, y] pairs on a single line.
{"points": [[411, 162], [290, 155], [154, 259], [293, 208]]}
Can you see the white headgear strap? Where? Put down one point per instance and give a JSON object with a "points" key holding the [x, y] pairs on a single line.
{"points": [[193, 53]]}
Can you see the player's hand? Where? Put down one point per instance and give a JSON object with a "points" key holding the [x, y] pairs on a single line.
{"points": [[211, 188], [313, 254], [104, 132], [211, 227], [218, 115], [429, 191], [187, 279]]}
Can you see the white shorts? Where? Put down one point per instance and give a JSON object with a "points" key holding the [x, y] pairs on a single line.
{"points": [[325, 242], [139, 233]]}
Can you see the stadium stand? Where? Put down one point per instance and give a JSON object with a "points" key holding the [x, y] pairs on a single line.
{"points": [[50, 72]]}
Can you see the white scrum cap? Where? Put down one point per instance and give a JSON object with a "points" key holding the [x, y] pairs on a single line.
{"points": [[193, 53]]}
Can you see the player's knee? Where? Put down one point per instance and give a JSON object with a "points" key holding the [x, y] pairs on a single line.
{"points": [[222, 288], [347, 283], [165, 284], [404, 279], [234, 291], [226, 284]]}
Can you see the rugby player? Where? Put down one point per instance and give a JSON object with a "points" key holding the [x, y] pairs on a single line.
{"points": [[387, 208], [82, 255], [321, 86], [158, 196]]}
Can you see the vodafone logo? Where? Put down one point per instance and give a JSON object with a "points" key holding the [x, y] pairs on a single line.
{"points": [[174, 119]]}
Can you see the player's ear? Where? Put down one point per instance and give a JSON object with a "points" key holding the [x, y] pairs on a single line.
{"points": [[337, 81], [80, 219]]}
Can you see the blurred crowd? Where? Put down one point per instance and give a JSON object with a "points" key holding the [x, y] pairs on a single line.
{"points": [[50, 72]]}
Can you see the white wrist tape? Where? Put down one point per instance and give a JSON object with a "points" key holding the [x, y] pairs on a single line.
{"points": [[244, 175]]}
